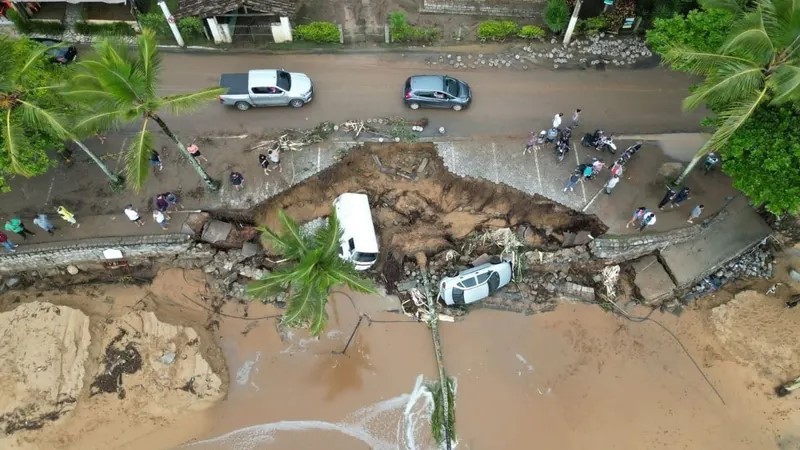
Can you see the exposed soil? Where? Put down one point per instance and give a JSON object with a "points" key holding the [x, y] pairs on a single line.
{"points": [[418, 205]]}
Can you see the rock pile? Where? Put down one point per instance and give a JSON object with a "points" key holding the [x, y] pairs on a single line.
{"points": [[232, 269], [599, 50], [757, 263]]}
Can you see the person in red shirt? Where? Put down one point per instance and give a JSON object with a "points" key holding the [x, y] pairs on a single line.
{"points": [[10, 246]]}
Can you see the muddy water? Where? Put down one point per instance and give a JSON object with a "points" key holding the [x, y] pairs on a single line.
{"points": [[573, 379]]}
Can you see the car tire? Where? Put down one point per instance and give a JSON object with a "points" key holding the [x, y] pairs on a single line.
{"points": [[297, 103], [457, 107], [242, 106], [413, 106]]}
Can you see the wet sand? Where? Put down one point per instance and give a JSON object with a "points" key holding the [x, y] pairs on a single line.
{"points": [[575, 378]]}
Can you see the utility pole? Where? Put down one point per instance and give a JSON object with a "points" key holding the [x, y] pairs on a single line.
{"points": [[572, 22]]}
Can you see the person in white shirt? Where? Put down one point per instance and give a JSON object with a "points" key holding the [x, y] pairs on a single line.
{"points": [[133, 215], [557, 120], [612, 182], [648, 220], [160, 219]]}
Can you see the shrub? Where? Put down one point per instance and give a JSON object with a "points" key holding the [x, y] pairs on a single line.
{"points": [[34, 27], [190, 27], [531, 32], [112, 29], [556, 15], [319, 32], [156, 22], [593, 25], [401, 31], [496, 30]]}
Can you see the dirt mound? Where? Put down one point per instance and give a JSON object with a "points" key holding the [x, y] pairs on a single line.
{"points": [[148, 359], [760, 332], [418, 205], [43, 348]]}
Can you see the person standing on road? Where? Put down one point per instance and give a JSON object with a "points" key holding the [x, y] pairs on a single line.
{"points": [[15, 225], [237, 180], [67, 216], [155, 160], [611, 184], [576, 117], [668, 196], [557, 120], [133, 215], [161, 219], [649, 219], [617, 169], [162, 204], [573, 180], [173, 200], [43, 222], [275, 158], [696, 212], [680, 197], [194, 150], [5, 242], [637, 215], [264, 163], [532, 141]]}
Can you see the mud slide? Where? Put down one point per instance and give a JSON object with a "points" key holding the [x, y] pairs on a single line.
{"points": [[418, 205]]}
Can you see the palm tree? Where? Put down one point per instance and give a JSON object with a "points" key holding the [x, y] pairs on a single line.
{"points": [[758, 64], [313, 268], [122, 86], [30, 109]]}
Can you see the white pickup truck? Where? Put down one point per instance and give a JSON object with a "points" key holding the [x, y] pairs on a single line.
{"points": [[266, 88]]}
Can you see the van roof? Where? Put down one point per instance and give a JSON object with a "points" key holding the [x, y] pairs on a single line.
{"points": [[355, 218]]}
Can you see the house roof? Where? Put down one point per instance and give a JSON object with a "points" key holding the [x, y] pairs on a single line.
{"points": [[209, 8]]}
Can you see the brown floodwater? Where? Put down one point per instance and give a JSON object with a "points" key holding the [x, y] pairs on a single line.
{"points": [[575, 378]]}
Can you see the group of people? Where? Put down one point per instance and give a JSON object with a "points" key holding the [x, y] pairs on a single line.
{"points": [[162, 204], [643, 217], [17, 226], [268, 162]]}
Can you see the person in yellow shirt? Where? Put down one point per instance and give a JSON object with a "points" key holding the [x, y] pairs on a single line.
{"points": [[67, 216]]}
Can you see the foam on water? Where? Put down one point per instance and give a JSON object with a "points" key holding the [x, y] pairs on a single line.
{"points": [[402, 422]]}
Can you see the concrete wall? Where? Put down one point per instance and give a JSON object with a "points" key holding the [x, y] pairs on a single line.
{"points": [[49, 256], [621, 248], [507, 8]]}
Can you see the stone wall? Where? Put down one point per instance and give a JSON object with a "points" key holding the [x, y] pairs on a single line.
{"points": [[49, 256], [506, 8], [615, 248]]}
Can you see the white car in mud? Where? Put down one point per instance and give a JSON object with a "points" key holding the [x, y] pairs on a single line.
{"points": [[476, 283]]}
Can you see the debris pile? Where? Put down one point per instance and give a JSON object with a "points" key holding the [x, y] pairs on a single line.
{"points": [[757, 263]]}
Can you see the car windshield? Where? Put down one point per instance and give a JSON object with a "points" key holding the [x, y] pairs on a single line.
{"points": [[451, 86], [365, 257], [284, 80]]}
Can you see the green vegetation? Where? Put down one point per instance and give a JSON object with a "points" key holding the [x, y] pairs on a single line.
{"points": [[191, 27], [155, 21], [763, 158], [593, 25], [616, 16], [556, 15], [313, 269], [35, 119], [118, 85], [34, 26], [497, 30], [401, 31], [320, 32], [757, 65], [531, 32], [105, 29], [438, 421], [703, 30]]}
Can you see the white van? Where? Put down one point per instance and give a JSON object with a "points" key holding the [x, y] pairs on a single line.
{"points": [[359, 244]]}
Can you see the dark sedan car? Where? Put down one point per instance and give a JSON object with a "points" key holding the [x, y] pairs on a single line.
{"points": [[436, 91], [63, 54]]}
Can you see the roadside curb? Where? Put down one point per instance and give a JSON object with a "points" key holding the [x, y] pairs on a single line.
{"points": [[336, 50]]}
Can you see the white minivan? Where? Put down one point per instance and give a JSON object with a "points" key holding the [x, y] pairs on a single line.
{"points": [[359, 244]]}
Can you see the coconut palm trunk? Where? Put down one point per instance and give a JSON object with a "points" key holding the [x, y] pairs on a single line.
{"points": [[116, 180], [212, 184]]}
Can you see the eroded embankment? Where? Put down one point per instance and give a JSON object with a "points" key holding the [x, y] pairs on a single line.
{"points": [[419, 206]]}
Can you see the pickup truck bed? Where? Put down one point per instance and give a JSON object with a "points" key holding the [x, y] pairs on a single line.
{"points": [[235, 82]]}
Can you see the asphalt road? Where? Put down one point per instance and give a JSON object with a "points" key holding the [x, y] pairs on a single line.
{"points": [[506, 101]]}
